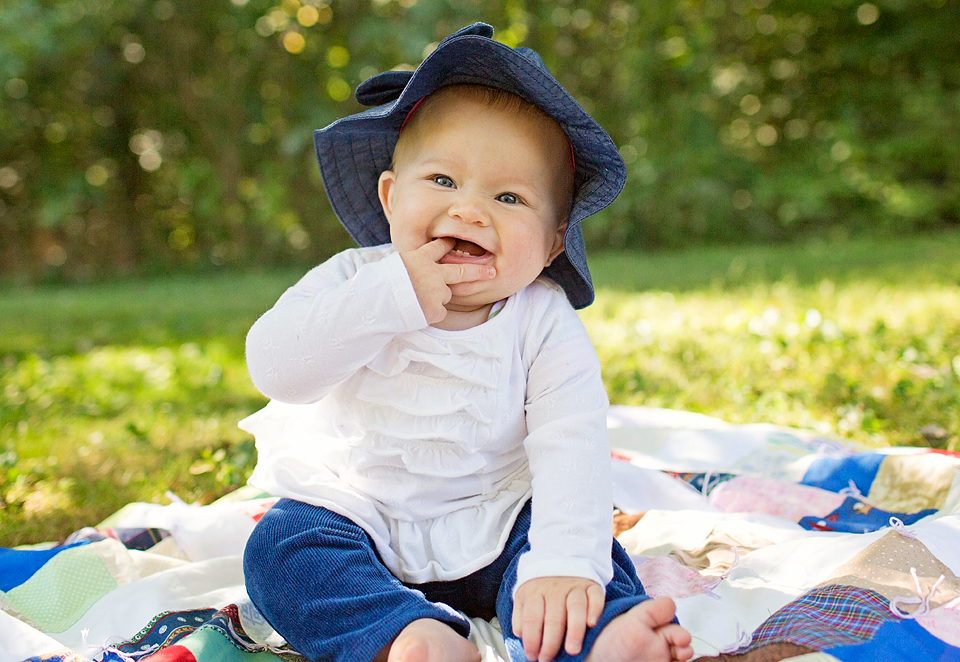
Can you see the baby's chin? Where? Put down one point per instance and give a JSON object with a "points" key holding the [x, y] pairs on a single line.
{"points": [[467, 297]]}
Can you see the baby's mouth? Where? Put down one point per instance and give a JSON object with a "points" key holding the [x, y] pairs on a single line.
{"points": [[466, 251]]}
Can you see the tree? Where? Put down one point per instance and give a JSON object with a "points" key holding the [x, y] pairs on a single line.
{"points": [[166, 134]]}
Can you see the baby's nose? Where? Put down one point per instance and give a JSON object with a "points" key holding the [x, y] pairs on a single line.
{"points": [[470, 210]]}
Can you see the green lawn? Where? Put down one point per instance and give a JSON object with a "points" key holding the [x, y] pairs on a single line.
{"points": [[860, 339], [125, 391]]}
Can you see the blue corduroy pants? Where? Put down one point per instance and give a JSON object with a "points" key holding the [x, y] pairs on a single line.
{"points": [[317, 579]]}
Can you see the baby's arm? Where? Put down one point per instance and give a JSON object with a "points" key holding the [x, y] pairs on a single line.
{"points": [[568, 449], [331, 323], [550, 612], [344, 312]]}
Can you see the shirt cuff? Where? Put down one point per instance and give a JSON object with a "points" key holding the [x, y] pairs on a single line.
{"points": [[530, 568]]}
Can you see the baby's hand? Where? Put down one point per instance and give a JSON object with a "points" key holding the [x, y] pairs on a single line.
{"points": [[431, 280], [547, 608]]}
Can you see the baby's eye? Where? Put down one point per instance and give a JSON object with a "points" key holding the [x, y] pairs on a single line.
{"points": [[443, 180], [508, 198]]}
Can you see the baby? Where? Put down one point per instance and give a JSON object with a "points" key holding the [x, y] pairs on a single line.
{"points": [[437, 430]]}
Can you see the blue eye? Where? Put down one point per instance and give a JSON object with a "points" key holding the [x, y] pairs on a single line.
{"points": [[508, 198], [443, 180]]}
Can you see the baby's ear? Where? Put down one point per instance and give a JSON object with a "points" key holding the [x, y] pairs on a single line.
{"points": [[557, 243], [385, 192]]}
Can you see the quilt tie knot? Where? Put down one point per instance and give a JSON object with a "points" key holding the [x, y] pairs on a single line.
{"points": [[112, 648], [708, 589], [897, 525], [851, 490], [743, 639], [922, 600]]}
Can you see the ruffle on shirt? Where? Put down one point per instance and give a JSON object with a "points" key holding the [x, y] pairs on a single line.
{"points": [[425, 410], [469, 357], [430, 401], [429, 458], [427, 398]]}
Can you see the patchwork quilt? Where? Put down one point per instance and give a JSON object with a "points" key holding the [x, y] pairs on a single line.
{"points": [[773, 542]]}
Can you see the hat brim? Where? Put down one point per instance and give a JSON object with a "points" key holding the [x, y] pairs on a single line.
{"points": [[353, 151]]}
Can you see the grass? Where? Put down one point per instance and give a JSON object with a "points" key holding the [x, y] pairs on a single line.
{"points": [[125, 391], [860, 339]]}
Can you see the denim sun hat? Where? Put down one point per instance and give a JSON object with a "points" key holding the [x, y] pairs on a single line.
{"points": [[353, 151]]}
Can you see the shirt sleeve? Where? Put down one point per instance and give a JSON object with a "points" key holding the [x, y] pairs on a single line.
{"points": [[338, 317], [569, 454]]}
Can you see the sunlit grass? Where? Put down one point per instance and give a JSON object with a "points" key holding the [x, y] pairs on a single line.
{"points": [[84, 434], [860, 339], [126, 391], [123, 392], [874, 363]]}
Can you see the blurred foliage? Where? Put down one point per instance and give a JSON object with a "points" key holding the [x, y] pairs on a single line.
{"points": [[157, 134]]}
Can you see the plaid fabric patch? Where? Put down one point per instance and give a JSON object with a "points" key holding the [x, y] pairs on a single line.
{"points": [[826, 617]]}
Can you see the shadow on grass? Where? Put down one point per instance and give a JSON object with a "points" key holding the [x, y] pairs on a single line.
{"points": [[58, 320]]}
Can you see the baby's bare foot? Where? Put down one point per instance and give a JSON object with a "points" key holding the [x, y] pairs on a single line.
{"points": [[428, 640], [643, 633]]}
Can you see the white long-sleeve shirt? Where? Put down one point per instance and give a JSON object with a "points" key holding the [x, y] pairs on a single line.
{"points": [[433, 440]]}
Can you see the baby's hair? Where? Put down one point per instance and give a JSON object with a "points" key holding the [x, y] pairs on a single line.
{"points": [[494, 98]]}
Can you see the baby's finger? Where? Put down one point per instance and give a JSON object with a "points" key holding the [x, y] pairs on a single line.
{"points": [[466, 273], [596, 597], [516, 622], [437, 248], [576, 622], [554, 624], [532, 626]]}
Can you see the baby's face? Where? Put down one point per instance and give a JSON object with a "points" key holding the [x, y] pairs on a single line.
{"points": [[496, 180]]}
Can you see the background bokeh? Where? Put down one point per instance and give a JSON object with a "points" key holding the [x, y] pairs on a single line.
{"points": [[142, 136]]}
